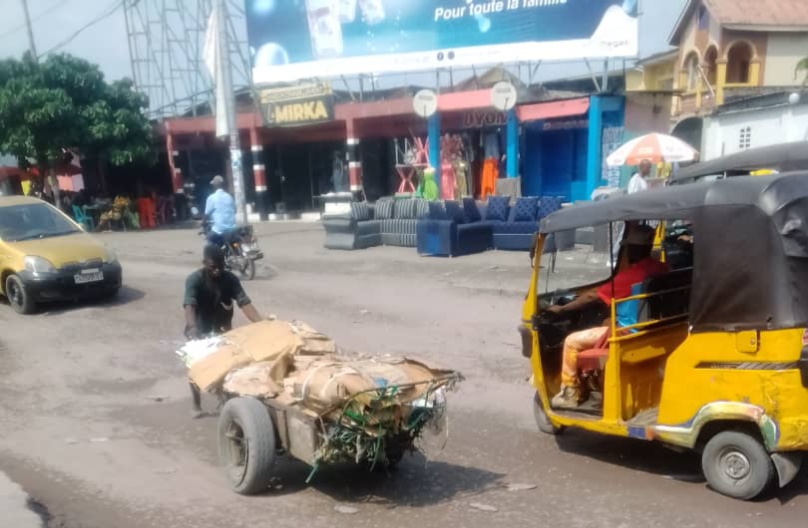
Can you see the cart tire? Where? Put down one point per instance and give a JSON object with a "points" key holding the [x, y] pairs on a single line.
{"points": [[541, 418], [737, 465], [247, 445]]}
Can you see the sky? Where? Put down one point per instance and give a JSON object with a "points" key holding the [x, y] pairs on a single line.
{"points": [[55, 21]]}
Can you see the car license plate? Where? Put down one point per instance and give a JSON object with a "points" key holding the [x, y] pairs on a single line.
{"points": [[89, 275]]}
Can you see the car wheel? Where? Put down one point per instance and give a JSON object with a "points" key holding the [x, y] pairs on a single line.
{"points": [[18, 296], [737, 465], [544, 424]]}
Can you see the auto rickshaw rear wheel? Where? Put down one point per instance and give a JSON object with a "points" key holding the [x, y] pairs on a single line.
{"points": [[544, 424], [737, 465]]}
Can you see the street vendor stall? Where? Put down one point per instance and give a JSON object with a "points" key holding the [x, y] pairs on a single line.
{"points": [[288, 386]]}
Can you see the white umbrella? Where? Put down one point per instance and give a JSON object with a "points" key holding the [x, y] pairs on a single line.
{"points": [[655, 148]]}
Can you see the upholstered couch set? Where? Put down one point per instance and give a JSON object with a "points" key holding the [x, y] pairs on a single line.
{"points": [[447, 228]]}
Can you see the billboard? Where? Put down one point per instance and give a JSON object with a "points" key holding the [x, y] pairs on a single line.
{"points": [[298, 39]]}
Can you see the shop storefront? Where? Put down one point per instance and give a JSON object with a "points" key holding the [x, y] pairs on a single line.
{"points": [[563, 145], [474, 146], [363, 149]]}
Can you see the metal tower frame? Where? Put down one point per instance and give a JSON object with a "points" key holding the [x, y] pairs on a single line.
{"points": [[166, 38]]}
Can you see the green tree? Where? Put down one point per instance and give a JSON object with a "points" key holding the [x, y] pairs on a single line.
{"points": [[802, 69], [64, 103]]}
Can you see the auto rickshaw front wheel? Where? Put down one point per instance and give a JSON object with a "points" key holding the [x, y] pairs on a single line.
{"points": [[544, 424], [737, 465]]}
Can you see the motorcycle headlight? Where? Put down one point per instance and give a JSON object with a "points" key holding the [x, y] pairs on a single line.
{"points": [[38, 265]]}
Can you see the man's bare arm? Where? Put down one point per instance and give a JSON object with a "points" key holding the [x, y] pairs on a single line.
{"points": [[251, 313], [584, 299], [190, 321]]}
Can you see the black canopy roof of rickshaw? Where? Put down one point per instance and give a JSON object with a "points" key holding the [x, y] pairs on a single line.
{"points": [[767, 193], [782, 157], [750, 268]]}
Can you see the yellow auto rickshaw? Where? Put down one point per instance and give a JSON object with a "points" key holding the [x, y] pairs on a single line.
{"points": [[717, 360]]}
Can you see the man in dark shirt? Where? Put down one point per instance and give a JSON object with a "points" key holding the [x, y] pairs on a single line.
{"points": [[210, 294]]}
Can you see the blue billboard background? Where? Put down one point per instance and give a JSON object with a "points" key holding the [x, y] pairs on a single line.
{"points": [[428, 32]]}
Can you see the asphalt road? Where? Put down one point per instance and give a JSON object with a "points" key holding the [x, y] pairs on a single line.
{"points": [[96, 412]]}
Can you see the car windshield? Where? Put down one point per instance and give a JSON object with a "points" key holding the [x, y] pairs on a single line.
{"points": [[31, 221]]}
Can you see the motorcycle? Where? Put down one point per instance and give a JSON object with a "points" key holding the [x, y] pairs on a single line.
{"points": [[240, 249]]}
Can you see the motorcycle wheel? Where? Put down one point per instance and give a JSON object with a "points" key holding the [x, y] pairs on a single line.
{"points": [[248, 269]]}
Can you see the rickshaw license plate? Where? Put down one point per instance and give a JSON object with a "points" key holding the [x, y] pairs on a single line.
{"points": [[88, 275]]}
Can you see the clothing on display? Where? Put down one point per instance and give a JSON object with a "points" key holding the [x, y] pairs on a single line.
{"points": [[428, 188], [447, 181], [461, 179], [491, 145], [489, 177], [453, 155]]}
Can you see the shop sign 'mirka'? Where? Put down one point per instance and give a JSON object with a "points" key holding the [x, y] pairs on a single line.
{"points": [[300, 112]]}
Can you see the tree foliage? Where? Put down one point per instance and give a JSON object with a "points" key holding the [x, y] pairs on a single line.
{"points": [[802, 68], [64, 103]]}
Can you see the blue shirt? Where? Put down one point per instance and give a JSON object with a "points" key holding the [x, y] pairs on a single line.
{"points": [[221, 208]]}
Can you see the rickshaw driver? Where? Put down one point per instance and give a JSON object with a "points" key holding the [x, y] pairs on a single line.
{"points": [[642, 266]]}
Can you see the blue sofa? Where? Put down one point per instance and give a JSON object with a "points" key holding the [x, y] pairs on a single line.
{"points": [[515, 227], [454, 229], [450, 232]]}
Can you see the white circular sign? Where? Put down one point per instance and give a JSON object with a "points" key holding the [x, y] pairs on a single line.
{"points": [[503, 96], [425, 103]]}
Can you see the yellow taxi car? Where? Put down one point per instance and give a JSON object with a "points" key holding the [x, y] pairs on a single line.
{"points": [[45, 256]]}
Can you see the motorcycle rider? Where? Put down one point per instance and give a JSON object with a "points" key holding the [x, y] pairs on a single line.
{"points": [[220, 211], [210, 293]]}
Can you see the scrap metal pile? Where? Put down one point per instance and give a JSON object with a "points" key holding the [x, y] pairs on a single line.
{"points": [[367, 408]]}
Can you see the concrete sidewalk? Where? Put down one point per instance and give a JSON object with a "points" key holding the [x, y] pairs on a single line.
{"points": [[14, 502]]}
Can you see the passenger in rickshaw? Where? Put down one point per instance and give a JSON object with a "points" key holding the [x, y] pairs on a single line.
{"points": [[639, 244]]}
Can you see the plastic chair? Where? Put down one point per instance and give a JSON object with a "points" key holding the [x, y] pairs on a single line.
{"points": [[83, 218]]}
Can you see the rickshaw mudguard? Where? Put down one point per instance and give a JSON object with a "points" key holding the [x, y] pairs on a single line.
{"points": [[788, 466], [687, 434]]}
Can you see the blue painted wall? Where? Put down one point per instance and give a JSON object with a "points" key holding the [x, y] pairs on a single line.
{"points": [[568, 163], [554, 161]]}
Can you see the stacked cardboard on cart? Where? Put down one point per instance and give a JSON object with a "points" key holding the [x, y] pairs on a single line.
{"points": [[295, 364]]}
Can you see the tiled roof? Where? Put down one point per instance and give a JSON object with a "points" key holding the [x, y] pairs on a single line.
{"points": [[765, 15], [759, 12]]}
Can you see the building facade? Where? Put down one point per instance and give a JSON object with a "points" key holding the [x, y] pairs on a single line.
{"points": [[735, 49]]}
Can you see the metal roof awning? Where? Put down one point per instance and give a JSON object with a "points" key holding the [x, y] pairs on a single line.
{"points": [[552, 110]]}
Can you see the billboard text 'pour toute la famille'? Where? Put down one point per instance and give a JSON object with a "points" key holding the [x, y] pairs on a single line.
{"points": [[300, 39]]}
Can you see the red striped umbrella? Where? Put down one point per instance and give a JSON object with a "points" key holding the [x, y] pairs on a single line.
{"points": [[655, 148]]}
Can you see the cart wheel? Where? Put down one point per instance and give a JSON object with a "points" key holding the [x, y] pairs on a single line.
{"points": [[541, 418], [737, 465], [247, 445]]}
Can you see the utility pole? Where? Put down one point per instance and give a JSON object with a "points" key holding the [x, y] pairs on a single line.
{"points": [[31, 42], [236, 164]]}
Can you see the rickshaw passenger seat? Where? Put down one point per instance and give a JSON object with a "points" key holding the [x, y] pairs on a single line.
{"points": [[671, 304], [674, 303]]}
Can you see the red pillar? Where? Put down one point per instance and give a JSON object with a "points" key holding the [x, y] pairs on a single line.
{"points": [[354, 159], [259, 172]]}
